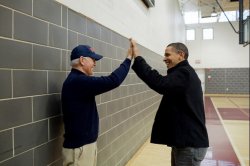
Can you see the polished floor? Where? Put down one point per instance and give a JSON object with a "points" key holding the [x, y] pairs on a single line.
{"points": [[227, 120]]}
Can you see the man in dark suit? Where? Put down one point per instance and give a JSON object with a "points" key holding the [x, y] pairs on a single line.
{"points": [[180, 119]]}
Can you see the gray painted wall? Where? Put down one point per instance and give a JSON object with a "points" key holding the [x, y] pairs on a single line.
{"points": [[36, 38], [227, 81]]}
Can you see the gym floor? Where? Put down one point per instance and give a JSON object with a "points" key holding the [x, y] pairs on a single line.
{"points": [[227, 120]]}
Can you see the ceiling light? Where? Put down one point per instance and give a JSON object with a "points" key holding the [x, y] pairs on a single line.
{"points": [[214, 13]]}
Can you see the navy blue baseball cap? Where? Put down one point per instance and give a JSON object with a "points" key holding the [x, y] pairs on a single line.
{"points": [[85, 51]]}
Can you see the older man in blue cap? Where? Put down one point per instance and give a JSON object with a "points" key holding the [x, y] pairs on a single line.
{"points": [[80, 114]]}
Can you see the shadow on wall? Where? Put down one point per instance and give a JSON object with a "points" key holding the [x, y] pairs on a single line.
{"points": [[49, 107]]}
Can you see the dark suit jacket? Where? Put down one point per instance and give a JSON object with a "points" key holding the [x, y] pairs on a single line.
{"points": [[180, 119]]}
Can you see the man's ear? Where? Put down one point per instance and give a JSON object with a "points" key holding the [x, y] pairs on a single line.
{"points": [[82, 60], [182, 55]]}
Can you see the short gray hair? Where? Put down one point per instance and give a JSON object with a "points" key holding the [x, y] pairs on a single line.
{"points": [[74, 62]]}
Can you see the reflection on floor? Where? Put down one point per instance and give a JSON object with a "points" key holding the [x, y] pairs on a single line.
{"points": [[220, 151], [227, 120]]}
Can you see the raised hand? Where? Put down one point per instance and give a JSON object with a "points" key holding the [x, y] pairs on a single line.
{"points": [[130, 54], [133, 46]]}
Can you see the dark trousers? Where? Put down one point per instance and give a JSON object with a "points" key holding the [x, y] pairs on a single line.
{"points": [[187, 156]]}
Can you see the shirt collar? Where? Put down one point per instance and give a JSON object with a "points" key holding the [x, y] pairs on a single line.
{"points": [[182, 63], [76, 71]]}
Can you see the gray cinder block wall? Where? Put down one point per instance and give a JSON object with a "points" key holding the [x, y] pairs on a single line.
{"points": [[36, 37], [227, 81]]}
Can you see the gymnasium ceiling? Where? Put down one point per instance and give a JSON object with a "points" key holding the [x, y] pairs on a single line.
{"points": [[206, 7]]}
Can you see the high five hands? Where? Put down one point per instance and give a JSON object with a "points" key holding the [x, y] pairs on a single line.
{"points": [[133, 51]]}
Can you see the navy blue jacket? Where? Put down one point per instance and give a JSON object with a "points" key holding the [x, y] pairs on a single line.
{"points": [[180, 119], [81, 121]]}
